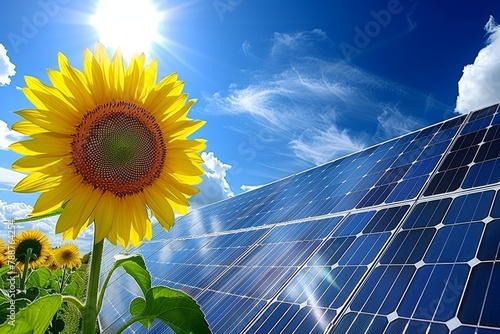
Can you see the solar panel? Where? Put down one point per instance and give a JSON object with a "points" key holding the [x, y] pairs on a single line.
{"points": [[402, 237]]}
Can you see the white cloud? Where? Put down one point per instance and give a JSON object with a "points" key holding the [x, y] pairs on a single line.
{"points": [[13, 210], [245, 187], [392, 123], [479, 85], [7, 69], [9, 177], [322, 146], [8, 136], [214, 186]]}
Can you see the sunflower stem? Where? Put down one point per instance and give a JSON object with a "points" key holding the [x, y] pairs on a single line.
{"points": [[25, 271], [73, 300], [104, 285], [89, 313], [62, 280]]}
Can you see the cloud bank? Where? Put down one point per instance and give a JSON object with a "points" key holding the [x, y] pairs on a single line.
{"points": [[479, 85], [214, 186], [7, 69], [8, 136]]}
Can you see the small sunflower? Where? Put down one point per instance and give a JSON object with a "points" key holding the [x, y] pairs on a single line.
{"points": [[67, 255], [107, 143], [52, 265], [78, 263], [51, 262], [2, 247], [3, 257], [39, 244]]}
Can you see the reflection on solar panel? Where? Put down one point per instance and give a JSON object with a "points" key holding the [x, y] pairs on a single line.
{"points": [[403, 237]]}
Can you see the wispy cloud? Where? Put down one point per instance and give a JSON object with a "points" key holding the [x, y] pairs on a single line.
{"points": [[320, 146], [307, 101], [7, 69], [479, 85], [392, 123], [297, 42]]}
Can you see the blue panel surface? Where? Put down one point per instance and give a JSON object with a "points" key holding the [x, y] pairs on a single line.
{"points": [[431, 277], [402, 237]]}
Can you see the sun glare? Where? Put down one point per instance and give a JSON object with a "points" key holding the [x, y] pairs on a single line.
{"points": [[131, 25]]}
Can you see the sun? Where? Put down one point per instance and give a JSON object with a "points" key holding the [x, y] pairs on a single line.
{"points": [[131, 25]]}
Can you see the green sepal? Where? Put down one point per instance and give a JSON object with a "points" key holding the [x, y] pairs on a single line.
{"points": [[35, 218]]}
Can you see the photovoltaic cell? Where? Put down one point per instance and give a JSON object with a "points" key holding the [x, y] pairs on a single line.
{"points": [[403, 237], [431, 264]]}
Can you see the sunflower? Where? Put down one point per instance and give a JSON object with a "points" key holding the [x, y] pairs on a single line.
{"points": [[52, 265], [107, 143], [39, 244], [3, 257], [2, 247], [67, 255]]}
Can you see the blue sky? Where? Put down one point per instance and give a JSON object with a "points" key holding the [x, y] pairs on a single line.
{"points": [[283, 85]]}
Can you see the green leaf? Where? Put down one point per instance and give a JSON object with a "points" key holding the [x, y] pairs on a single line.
{"points": [[31, 293], [72, 289], [5, 307], [135, 266], [35, 318], [35, 218], [40, 277], [4, 270], [137, 306], [173, 307]]}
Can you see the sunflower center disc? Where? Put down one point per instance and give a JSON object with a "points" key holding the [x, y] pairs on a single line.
{"points": [[67, 255], [22, 250], [119, 147]]}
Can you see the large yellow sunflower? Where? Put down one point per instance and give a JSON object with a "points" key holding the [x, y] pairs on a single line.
{"points": [[39, 244], [108, 143], [67, 255]]}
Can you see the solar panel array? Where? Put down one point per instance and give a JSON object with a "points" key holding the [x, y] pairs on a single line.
{"points": [[402, 237]]}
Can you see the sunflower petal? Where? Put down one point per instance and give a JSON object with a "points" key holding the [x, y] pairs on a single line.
{"points": [[160, 208], [39, 162], [48, 120], [43, 145], [78, 209], [27, 128], [122, 223], [150, 73], [117, 73], [104, 212], [53, 199], [36, 182]]}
